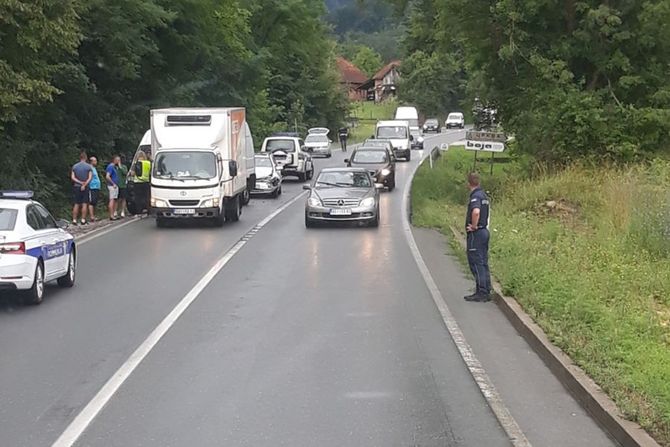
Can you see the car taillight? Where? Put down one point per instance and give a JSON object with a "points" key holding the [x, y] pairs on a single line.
{"points": [[13, 248]]}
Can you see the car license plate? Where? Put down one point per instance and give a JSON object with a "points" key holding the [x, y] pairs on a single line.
{"points": [[340, 212], [184, 211]]}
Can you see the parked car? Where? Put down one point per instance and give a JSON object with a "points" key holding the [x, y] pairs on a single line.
{"points": [[417, 138], [318, 143], [432, 125], [343, 195], [268, 177], [290, 155], [34, 247], [455, 120], [379, 162]]}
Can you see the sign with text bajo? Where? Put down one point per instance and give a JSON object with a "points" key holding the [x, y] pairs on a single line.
{"points": [[485, 141]]}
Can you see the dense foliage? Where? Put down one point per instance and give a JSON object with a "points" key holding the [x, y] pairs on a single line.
{"points": [[571, 78], [82, 74]]}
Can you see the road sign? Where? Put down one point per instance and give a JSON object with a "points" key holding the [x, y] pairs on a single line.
{"points": [[484, 146], [477, 135]]}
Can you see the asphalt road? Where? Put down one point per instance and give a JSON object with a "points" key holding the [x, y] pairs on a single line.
{"points": [[324, 337]]}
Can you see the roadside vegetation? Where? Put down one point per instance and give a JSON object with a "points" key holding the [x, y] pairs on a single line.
{"points": [[586, 252], [82, 75], [366, 114]]}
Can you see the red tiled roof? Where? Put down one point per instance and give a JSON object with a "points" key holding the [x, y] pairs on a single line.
{"points": [[388, 67], [350, 73]]}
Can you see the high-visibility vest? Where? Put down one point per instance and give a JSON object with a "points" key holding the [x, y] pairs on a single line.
{"points": [[146, 172]]}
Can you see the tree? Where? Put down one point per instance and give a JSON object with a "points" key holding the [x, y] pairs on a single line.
{"points": [[367, 60]]}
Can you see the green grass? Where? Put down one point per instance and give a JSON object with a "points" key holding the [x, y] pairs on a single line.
{"points": [[367, 115], [586, 252]]}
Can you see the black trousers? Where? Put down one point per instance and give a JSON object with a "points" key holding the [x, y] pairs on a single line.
{"points": [[478, 259], [343, 143], [142, 192]]}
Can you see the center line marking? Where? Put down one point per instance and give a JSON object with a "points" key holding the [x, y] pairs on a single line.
{"points": [[84, 419]]}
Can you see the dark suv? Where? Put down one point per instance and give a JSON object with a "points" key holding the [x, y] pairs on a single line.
{"points": [[379, 161]]}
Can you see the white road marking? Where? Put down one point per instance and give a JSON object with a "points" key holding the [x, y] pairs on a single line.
{"points": [[84, 419], [106, 230], [476, 369]]}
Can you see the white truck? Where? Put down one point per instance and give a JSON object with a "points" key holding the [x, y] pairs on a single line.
{"points": [[398, 133], [199, 167], [409, 114]]}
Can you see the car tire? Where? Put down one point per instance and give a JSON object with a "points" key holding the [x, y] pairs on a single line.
{"points": [[35, 295], [233, 210], [310, 174], [279, 192], [375, 222], [309, 223], [302, 176], [391, 185], [68, 279], [408, 156]]}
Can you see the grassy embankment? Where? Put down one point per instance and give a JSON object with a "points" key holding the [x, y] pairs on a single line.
{"points": [[367, 114], [586, 252]]}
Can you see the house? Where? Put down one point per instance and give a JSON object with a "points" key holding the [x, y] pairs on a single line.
{"points": [[383, 84], [351, 79]]}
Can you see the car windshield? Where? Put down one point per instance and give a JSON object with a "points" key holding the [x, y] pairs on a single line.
{"points": [[263, 162], [7, 219], [431, 122], [185, 165], [369, 157], [391, 132], [345, 179], [316, 139], [454, 116], [280, 145]]}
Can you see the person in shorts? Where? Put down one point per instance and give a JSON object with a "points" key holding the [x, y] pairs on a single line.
{"points": [[94, 193], [122, 172], [81, 177], [112, 177]]}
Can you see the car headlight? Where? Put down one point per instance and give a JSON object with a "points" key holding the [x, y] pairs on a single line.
{"points": [[385, 172], [313, 201], [158, 203], [369, 201]]}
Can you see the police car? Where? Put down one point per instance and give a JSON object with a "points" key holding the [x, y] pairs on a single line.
{"points": [[34, 247]]}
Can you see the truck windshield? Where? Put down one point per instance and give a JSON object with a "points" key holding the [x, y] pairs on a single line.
{"points": [[185, 165], [392, 132]]}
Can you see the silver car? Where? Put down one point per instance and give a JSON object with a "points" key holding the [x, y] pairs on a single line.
{"points": [[343, 195], [268, 177], [318, 143]]}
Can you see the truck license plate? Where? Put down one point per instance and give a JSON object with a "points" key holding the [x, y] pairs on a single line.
{"points": [[340, 212], [184, 211]]}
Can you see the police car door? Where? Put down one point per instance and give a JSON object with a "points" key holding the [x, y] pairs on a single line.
{"points": [[50, 240]]}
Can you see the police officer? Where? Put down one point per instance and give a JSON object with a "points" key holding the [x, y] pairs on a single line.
{"points": [[476, 225], [141, 183]]}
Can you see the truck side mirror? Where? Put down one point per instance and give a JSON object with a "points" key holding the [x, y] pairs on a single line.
{"points": [[232, 168]]}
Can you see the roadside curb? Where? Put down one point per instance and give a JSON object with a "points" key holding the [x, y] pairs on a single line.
{"points": [[574, 379]]}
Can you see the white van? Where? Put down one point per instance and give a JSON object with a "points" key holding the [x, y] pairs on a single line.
{"points": [[455, 120], [410, 115], [199, 167], [398, 133]]}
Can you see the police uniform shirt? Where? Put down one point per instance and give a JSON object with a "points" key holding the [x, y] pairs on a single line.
{"points": [[478, 199]]}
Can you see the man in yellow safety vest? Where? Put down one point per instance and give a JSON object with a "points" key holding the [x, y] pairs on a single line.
{"points": [[141, 182]]}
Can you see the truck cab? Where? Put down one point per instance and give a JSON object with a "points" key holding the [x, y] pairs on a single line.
{"points": [[290, 155]]}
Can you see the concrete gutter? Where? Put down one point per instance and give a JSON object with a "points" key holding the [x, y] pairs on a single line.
{"points": [[581, 386]]}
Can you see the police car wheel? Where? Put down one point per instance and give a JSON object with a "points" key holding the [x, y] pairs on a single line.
{"points": [[70, 276], [35, 294]]}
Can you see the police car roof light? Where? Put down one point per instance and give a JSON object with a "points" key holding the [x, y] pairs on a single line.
{"points": [[16, 195]]}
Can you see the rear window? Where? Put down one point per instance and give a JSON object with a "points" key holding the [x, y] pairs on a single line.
{"points": [[7, 219], [280, 145]]}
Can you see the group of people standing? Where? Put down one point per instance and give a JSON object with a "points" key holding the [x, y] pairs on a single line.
{"points": [[86, 186]]}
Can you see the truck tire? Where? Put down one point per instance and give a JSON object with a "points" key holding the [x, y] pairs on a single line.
{"points": [[233, 210], [246, 197], [219, 220], [302, 176]]}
